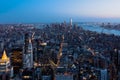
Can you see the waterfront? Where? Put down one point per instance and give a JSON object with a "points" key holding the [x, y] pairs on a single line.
{"points": [[99, 29]]}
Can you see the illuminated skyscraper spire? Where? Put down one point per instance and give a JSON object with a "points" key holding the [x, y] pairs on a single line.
{"points": [[4, 56], [4, 63]]}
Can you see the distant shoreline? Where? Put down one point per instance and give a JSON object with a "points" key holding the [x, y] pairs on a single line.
{"points": [[99, 29]]}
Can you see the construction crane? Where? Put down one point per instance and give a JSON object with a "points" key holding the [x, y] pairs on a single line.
{"points": [[59, 55]]}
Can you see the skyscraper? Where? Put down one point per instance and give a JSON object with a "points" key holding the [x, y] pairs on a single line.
{"points": [[26, 42], [71, 22], [41, 52], [28, 55], [16, 59], [4, 63]]}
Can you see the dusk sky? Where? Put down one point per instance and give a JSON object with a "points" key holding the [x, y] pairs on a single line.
{"points": [[28, 11]]}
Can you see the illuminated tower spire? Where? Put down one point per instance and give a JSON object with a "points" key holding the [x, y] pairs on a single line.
{"points": [[4, 56], [4, 63]]}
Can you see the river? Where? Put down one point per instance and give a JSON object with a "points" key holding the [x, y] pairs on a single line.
{"points": [[97, 28]]}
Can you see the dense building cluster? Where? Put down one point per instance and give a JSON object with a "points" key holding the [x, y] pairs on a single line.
{"points": [[59, 51], [111, 26]]}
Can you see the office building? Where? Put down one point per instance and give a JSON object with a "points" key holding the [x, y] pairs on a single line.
{"points": [[26, 42], [17, 59], [71, 22], [28, 56]]}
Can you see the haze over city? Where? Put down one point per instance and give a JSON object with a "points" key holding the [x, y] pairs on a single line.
{"points": [[46, 11], [59, 40]]}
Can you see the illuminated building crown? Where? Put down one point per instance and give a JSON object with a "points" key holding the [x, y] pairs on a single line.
{"points": [[4, 56]]}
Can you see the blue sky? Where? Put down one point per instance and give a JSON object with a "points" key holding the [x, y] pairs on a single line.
{"points": [[28, 11]]}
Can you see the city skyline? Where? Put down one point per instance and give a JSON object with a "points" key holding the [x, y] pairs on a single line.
{"points": [[45, 11]]}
